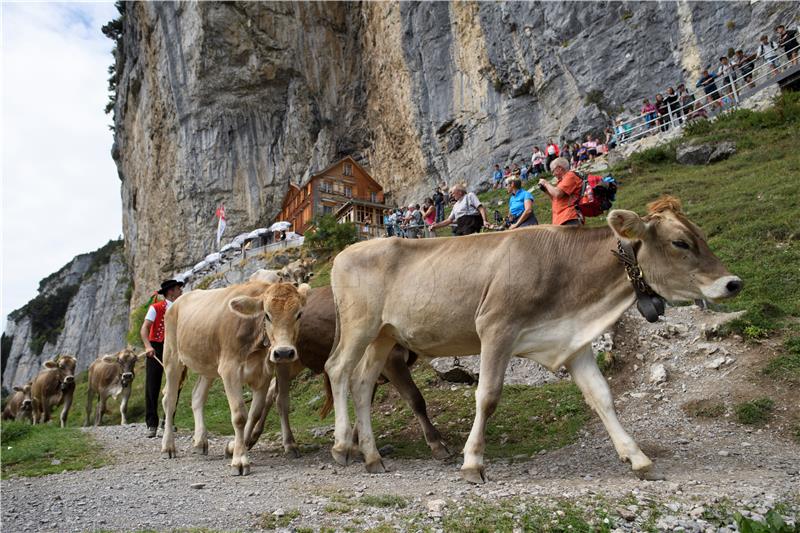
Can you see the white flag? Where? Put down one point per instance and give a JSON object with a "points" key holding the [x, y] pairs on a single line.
{"points": [[220, 214]]}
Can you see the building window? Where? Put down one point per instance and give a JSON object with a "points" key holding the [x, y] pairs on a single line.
{"points": [[373, 196], [327, 187], [348, 191], [327, 210], [348, 169]]}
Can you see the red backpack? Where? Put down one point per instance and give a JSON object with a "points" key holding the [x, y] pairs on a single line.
{"points": [[596, 196]]}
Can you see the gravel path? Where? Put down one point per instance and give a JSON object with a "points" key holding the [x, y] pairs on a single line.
{"points": [[707, 463]]}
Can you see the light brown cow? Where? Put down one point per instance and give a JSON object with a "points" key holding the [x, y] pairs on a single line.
{"points": [[20, 406], [239, 333], [542, 293], [299, 271], [55, 385], [314, 344], [111, 375]]}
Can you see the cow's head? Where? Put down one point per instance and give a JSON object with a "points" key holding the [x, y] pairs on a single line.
{"points": [[65, 364], [27, 400], [280, 306], [673, 254], [126, 359]]}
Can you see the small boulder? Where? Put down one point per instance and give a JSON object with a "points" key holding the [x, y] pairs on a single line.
{"points": [[704, 153], [435, 507], [658, 373]]}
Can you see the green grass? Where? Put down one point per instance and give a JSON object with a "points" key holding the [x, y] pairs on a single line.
{"points": [[704, 408], [32, 450], [787, 365], [755, 412], [269, 521], [384, 500]]}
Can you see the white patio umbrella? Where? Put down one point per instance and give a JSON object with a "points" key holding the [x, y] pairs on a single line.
{"points": [[280, 226]]}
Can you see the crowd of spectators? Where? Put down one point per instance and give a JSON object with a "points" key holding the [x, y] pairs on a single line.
{"points": [[720, 87]]}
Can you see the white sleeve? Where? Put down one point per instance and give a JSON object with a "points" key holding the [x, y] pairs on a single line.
{"points": [[151, 314]]}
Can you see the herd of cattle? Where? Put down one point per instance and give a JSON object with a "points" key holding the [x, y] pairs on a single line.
{"points": [[541, 293]]}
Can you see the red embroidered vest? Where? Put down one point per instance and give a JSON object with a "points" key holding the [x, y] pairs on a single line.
{"points": [[157, 329]]}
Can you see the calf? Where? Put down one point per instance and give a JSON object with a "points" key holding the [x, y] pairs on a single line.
{"points": [[20, 406], [111, 375], [53, 386], [239, 333]]}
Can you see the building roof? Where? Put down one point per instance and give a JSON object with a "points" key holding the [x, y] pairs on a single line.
{"points": [[345, 158]]}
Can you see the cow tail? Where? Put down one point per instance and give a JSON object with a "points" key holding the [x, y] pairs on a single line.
{"points": [[328, 406]]}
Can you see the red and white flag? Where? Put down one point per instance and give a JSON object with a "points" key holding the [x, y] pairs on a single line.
{"points": [[220, 214]]}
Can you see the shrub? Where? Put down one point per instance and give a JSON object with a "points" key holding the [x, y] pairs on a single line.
{"points": [[654, 156], [755, 412], [136, 321], [330, 235]]}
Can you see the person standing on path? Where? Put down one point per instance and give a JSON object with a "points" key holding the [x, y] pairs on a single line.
{"points": [[564, 194], [152, 334], [468, 213]]}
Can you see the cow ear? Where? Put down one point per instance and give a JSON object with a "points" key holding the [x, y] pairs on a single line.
{"points": [[303, 290], [18, 388], [627, 224], [109, 358], [50, 364], [246, 306]]}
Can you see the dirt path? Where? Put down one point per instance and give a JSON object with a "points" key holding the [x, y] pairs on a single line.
{"points": [[713, 466]]}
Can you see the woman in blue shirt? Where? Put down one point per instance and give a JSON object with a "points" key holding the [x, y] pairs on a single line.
{"points": [[520, 205]]}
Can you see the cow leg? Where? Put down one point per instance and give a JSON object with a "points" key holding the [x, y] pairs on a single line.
{"points": [[258, 427], [494, 360], [399, 375], [101, 409], [284, 382], [362, 385], [231, 379], [339, 368], [199, 398], [123, 405], [173, 369], [595, 390], [44, 416], [65, 410], [89, 402]]}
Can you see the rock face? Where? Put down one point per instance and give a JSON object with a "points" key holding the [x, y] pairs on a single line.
{"points": [[230, 101], [95, 317], [704, 153]]}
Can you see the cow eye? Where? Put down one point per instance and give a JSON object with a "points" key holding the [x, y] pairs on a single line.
{"points": [[683, 245], [299, 314], [269, 318]]}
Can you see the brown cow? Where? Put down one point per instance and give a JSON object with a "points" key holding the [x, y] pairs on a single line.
{"points": [[317, 328], [20, 406], [55, 385], [542, 293], [239, 333], [111, 375]]}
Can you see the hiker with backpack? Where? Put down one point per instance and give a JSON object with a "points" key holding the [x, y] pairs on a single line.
{"points": [[564, 193]]}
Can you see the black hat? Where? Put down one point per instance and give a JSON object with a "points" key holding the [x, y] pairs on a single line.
{"points": [[168, 284]]}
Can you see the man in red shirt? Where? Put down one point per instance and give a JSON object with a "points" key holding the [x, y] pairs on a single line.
{"points": [[564, 195], [152, 334]]}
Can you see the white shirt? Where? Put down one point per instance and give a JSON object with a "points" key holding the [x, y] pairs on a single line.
{"points": [[151, 313], [468, 205]]}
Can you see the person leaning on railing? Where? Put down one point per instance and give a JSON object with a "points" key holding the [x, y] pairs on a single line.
{"points": [[520, 205]]}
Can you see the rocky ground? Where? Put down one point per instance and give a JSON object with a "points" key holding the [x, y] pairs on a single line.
{"points": [[714, 466]]}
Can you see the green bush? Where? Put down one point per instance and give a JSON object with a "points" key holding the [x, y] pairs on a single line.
{"points": [[654, 156], [136, 321], [773, 523], [330, 235], [755, 412]]}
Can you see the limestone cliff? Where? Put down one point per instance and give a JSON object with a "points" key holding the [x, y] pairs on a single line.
{"points": [[81, 310], [230, 101]]}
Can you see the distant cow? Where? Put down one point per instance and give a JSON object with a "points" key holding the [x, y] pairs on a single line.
{"points": [[317, 328], [299, 271], [111, 375], [239, 333], [542, 293], [20, 406], [55, 385]]}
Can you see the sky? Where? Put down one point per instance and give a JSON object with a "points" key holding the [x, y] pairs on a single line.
{"points": [[60, 191]]}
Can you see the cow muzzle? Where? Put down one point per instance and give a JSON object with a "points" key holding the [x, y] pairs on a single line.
{"points": [[284, 354], [68, 382], [27, 405], [127, 378], [724, 287]]}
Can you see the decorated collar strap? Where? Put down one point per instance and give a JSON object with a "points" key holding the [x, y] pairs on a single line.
{"points": [[648, 301]]}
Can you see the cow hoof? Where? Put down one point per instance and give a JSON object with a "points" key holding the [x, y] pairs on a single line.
{"points": [[201, 449], [229, 449], [169, 454], [440, 452], [343, 458], [651, 474], [292, 452], [475, 475], [240, 470], [375, 467]]}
